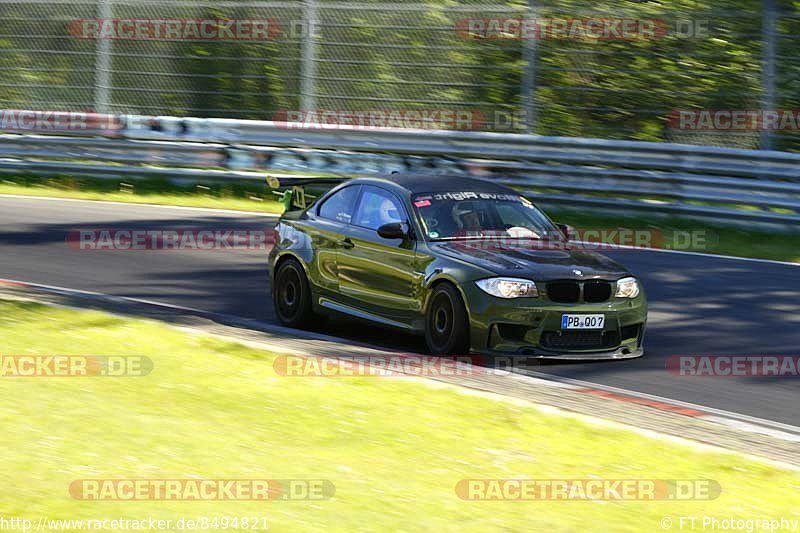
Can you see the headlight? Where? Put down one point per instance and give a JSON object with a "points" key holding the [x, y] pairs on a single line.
{"points": [[508, 287], [627, 288]]}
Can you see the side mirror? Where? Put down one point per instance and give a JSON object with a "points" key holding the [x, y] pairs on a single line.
{"points": [[392, 230], [567, 230]]}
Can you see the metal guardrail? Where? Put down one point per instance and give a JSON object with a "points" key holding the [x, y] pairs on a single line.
{"points": [[719, 183]]}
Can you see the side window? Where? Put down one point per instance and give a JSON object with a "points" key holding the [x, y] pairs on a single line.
{"points": [[340, 206], [378, 207]]}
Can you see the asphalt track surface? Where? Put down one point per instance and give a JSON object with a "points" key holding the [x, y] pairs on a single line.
{"points": [[699, 305]]}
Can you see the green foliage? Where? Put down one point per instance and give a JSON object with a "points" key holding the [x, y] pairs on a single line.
{"points": [[372, 58]]}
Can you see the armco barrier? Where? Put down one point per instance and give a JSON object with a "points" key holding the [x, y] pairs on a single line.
{"points": [[719, 183]]}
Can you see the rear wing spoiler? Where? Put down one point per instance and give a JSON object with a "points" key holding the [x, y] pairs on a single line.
{"points": [[291, 191]]}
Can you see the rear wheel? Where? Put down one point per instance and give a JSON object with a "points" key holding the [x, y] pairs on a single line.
{"points": [[446, 323], [291, 295]]}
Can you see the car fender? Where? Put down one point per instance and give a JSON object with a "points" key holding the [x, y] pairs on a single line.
{"points": [[439, 273], [280, 256], [291, 242]]}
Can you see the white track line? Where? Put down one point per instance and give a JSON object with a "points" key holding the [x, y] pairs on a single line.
{"points": [[599, 248], [737, 421], [274, 215], [136, 204], [266, 326]]}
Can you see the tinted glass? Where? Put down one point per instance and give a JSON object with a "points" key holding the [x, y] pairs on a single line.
{"points": [[340, 206], [378, 207], [464, 215]]}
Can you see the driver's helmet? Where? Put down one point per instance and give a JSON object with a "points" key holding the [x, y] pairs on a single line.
{"points": [[466, 216], [388, 212]]}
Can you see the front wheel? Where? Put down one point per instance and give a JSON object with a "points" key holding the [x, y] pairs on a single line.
{"points": [[446, 322], [291, 295]]}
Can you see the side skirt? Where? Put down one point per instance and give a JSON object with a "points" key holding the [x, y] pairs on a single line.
{"points": [[334, 306]]}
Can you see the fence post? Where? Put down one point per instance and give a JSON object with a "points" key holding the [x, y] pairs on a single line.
{"points": [[102, 65], [309, 64], [768, 52], [529, 77]]}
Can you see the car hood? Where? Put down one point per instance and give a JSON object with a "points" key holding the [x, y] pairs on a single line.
{"points": [[555, 261]]}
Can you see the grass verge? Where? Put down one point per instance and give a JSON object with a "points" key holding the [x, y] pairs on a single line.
{"points": [[690, 235], [394, 448], [240, 196]]}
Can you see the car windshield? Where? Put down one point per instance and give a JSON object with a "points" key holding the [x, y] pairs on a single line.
{"points": [[472, 215]]}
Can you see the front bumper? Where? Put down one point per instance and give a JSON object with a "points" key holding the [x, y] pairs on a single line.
{"points": [[613, 355], [532, 327]]}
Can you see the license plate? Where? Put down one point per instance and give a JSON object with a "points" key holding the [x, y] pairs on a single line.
{"points": [[582, 321]]}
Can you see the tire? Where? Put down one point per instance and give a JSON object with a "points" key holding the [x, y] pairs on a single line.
{"points": [[291, 295], [446, 322]]}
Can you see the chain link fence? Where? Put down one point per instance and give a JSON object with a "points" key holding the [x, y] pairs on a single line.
{"points": [[619, 70]]}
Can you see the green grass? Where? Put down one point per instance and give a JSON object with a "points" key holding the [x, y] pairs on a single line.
{"points": [[393, 447], [241, 196], [716, 239], [719, 239]]}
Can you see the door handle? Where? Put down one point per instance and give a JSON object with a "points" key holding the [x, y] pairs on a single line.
{"points": [[346, 243]]}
